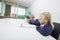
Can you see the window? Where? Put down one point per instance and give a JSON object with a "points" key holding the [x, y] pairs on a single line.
{"points": [[21, 11], [18, 12], [13, 11], [0, 7]]}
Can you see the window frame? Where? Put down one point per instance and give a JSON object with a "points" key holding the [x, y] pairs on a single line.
{"points": [[0, 8]]}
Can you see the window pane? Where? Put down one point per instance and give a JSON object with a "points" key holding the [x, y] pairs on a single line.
{"points": [[15, 10], [0, 7], [21, 11], [12, 10]]}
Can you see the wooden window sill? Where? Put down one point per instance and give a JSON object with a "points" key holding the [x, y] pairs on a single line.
{"points": [[7, 17]]}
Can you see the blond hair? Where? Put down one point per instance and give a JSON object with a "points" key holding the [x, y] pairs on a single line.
{"points": [[48, 17]]}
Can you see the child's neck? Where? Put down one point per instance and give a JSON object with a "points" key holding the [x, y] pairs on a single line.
{"points": [[43, 23]]}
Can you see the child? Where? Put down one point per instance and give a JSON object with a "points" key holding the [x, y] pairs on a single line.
{"points": [[44, 24]]}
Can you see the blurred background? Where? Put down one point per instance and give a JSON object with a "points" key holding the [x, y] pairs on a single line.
{"points": [[24, 8]]}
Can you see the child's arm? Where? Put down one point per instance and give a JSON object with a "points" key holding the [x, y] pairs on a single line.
{"points": [[34, 22], [47, 30]]}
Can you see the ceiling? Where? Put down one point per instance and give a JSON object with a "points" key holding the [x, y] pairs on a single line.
{"points": [[25, 3]]}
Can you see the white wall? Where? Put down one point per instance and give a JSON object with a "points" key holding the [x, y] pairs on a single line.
{"points": [[52, 6]]}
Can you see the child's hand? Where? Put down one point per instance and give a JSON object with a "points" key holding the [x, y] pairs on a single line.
{"points": [[31, 17]]}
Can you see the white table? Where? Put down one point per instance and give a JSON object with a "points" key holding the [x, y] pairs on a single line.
{"points": [[10, 29]]}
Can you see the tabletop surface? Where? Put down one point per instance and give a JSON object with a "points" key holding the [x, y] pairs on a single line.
{"points": [[16, 29]]}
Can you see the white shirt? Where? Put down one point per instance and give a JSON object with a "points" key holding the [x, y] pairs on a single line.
{"points": [[42, 25]]}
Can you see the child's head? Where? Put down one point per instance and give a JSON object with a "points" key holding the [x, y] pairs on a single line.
{"points": [[31, 17], [45, 18]]}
